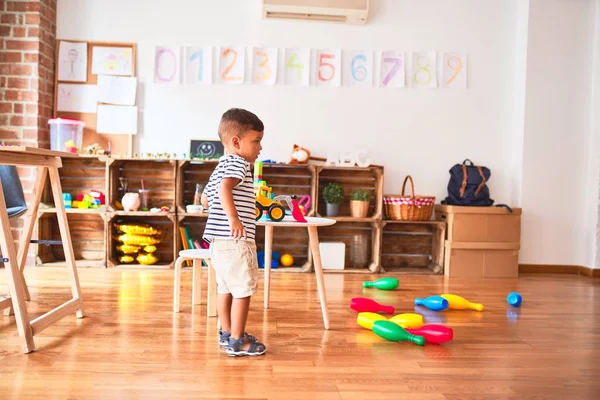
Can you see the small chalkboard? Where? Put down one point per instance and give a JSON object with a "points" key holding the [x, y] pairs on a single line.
{"points": [[206, 149]]}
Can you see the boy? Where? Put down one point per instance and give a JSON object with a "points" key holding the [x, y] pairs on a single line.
{"points": [[229, 197]]}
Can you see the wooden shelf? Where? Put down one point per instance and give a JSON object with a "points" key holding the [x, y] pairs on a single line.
{"points": [[351, 219], [78, 263], [142, 213], [52, 210]]}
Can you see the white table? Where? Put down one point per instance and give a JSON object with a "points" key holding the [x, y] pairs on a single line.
{"points": [[288, 222]]}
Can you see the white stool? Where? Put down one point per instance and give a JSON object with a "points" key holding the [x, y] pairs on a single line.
{"points": [[196, 255]]}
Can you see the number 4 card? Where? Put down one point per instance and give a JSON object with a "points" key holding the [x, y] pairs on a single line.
{"points": [[454, 70], [392, 69], [297, 67]]}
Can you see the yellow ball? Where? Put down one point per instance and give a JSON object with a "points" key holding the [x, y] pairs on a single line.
{"points": [[286, 260]]}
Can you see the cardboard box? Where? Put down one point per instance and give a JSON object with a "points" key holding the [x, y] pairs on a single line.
{"points": [[481, 260], [480, 224]]}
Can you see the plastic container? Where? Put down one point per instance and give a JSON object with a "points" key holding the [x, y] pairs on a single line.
{"points": [[66, 135]]}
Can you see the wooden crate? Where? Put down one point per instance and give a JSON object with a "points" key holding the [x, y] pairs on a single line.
{"points": [[481, 260], [351, 178], [480, 224], [166, 249], [293, 241], [351, 232], [413, 246], [291, 179], [189, 173], [78, 175], [195, 225], [87, 236], [158, 175]]}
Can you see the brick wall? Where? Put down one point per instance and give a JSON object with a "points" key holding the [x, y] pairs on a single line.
{"points": [[27, 52]]}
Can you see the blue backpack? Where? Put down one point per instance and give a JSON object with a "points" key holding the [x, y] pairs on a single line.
{"points": [[468, 185]]}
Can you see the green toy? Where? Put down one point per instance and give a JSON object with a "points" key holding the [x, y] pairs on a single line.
{"points": [[383, 283], [395, 333]]}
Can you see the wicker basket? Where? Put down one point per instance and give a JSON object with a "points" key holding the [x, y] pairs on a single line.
{"points": [[408, 208]]}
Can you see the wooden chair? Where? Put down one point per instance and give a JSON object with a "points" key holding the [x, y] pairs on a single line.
{"points": [[196, 255]]}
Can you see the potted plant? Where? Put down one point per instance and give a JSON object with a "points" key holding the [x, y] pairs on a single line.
{"points": [[359, 203], [333, 194]]}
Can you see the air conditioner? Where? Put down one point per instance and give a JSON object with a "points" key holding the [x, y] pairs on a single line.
{"points": [[345, 11]]}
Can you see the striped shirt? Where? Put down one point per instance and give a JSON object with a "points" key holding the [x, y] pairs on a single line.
{"points": [[217, 225]]}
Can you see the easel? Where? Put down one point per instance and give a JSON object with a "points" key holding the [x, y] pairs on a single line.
{"points": [[121, 145], [47, 162]]}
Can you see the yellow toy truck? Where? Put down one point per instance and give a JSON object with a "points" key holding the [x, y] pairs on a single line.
{"points": [[265, 203]]}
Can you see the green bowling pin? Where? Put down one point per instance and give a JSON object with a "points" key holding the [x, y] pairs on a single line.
{"points": [[386, 283], [395, 333]]}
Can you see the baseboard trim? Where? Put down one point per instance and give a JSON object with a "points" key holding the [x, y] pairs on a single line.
{"points": [[559, 269]]}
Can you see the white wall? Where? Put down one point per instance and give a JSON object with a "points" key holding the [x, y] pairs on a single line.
{"points": [[557, 228], [422, 133], [526, 115]]}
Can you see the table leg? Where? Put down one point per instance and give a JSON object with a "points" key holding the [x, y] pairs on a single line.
{"points": [[15, 283], [268, 258], [65, 235], [314, 247], [25, 238], [197, 282]]}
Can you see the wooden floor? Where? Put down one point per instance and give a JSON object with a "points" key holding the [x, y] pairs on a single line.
{"points": [[131, 345]]}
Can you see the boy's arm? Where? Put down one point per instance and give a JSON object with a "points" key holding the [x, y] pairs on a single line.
{"points": [[204, 201], [226, 196]]}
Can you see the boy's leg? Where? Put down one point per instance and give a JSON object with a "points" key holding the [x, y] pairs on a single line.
{"points": [[239, 316], [224, 310]]}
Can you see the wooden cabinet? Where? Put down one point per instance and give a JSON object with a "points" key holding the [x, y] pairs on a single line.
{"points": [[370, 242]]}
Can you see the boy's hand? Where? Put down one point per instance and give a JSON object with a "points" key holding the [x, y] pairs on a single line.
{"points": [[237, 229]]}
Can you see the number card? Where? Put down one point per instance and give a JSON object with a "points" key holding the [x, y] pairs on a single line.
{"points": [[197, 65], [358, 68], [329, 67], [423, 71], [232, 65], [264, 65], [454, 70], [166, 64], [392, 69], [297, 67]]}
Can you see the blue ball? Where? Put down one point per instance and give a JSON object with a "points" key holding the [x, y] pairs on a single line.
{"points": [[514, 299]]}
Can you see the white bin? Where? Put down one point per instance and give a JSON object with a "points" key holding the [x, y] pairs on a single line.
{"points": [[66, 135]]}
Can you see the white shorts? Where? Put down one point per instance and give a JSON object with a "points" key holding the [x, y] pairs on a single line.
{"points": [[236, 266]]}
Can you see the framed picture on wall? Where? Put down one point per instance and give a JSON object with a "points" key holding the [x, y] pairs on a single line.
{"points": [[206, 149]]}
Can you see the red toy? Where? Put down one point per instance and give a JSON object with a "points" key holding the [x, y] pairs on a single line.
{"points": [[362, 304], [434, 333]]}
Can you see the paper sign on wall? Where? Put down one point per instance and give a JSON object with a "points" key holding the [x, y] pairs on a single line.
{"points": [[166, 64], [264, 65], [72, 62], [358, 68], [392, 69], [423, 73], [232, 64], [329, 67], [117, 119], [119, 90], [454, 70], [77, 98], [112, 60], [297, 67], [197, 64]]}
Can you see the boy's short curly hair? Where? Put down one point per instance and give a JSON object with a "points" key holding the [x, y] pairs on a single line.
{"points": [[237, 121]]}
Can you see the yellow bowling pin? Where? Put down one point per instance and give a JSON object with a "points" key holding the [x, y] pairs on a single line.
{"points": [[408, 320], [460, 303], [367, 319]]}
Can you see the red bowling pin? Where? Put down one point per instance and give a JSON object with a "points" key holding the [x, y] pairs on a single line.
{"points": [[434, 333], [362, 304]]}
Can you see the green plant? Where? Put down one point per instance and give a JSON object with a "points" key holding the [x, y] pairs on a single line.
{"points": [[333, 193], [360, 195]]}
